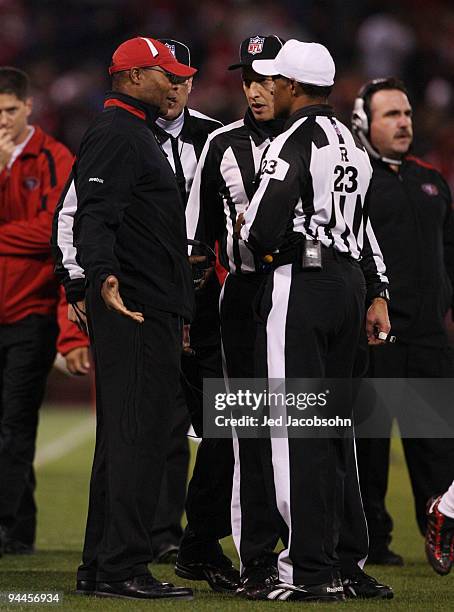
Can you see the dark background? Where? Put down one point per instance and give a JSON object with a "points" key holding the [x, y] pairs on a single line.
{"points": [[66, 47]]}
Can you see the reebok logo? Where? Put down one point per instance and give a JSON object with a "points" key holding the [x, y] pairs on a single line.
{"points": [[334, 589], [95, 179]]}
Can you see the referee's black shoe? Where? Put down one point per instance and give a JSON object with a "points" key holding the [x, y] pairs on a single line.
{"points": [[329, 592], [203, 559], [220, 574], [142, 587], [361, 586], [258, 577]]}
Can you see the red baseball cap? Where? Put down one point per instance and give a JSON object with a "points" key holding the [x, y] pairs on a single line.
{"points": [[143, 52]]}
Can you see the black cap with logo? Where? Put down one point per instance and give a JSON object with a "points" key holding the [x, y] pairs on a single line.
{"points": [[257, 47], [179, 50]]}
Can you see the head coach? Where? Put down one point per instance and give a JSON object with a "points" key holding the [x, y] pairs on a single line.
{"points": [[410, 209], [129, 232]]}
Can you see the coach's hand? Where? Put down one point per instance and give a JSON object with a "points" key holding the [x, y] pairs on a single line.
{"points": [[77, 361], [6, 148], [112, 299], [377, 320]]}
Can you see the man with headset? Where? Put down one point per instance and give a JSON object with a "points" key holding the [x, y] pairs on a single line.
{"points": [[410, 209]]}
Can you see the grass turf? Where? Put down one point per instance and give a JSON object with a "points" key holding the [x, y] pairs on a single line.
{"points": [[62, 502]]}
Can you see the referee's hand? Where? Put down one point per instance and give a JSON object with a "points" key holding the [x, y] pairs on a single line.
{"points": [[377, 322], [112, 299]]}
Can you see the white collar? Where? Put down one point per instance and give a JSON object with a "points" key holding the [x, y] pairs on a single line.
{"points": [[20, 147], [172, 127]]}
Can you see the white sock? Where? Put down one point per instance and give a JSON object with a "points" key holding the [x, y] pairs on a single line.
{"points": [[446, 505]]}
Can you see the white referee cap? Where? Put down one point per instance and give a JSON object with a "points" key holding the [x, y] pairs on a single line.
{"points": [[309, 63]]}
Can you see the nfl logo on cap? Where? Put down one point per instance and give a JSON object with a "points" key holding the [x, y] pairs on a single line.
{"points": [[255, 45], [172, 48]]}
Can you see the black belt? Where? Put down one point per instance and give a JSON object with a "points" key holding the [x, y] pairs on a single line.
{"points": [[295, 255]]}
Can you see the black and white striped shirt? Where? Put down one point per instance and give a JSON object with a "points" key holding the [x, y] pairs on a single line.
{"points": [[223, 186], [182, 141], [186, 136], [314, 181]]}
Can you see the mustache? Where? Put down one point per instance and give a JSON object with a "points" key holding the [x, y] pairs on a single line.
{"points": [[403, 132]]}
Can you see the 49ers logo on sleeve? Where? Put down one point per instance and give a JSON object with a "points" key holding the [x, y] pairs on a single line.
{"points": [[430, 189], [30, 183], [255, 45]]}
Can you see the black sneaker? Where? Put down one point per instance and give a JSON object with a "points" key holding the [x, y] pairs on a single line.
{"points": [[221, 575], [328, 592], [203, 559], [362, 586], [260, 575]]}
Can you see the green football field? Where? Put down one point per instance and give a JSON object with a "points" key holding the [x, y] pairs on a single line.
{"points": [[64, 456]]}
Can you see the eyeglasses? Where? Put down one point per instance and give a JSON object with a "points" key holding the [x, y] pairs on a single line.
{"points": [[173, 78]]}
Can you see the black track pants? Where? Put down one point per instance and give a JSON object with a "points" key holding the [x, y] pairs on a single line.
{"points": [[137, 375]]}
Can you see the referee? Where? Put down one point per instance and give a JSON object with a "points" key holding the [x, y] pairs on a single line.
{"points": [[223, 185], [308, 218], [182, 133]]}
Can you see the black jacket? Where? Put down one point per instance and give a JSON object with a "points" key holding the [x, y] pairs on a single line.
{"points": [[411, 215], [130, 218]]}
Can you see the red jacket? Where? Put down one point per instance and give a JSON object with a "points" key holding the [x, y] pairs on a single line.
{"points": [[29, 191]]}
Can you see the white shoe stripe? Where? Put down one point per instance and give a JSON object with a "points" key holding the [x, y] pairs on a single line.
{"points": [[285, 596], [275, 594]]}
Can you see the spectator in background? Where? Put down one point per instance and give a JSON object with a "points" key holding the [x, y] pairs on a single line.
{"points": [[410, 210], [384, 43], [33, 169]]}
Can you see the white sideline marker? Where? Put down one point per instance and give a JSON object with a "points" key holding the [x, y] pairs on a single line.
{"points": [[66, 443]]}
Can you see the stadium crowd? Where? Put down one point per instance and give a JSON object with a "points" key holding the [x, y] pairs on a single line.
{"points": [[64, 47]]}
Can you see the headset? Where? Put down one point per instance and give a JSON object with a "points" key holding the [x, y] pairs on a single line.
{"points": [[361, 113]]}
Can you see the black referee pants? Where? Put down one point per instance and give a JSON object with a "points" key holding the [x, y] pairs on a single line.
{"points": [[210, 488], [27, 352], [137, 376], [430, 461], [309, 327], [253, 523]]}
